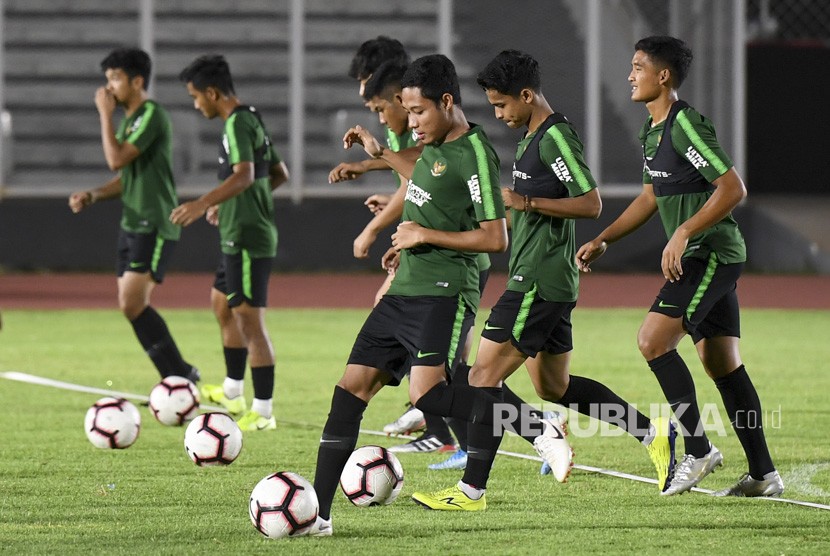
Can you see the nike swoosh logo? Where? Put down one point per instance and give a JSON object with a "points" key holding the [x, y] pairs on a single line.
{"points": [[422, 354], [487, 326], [665, 305]]}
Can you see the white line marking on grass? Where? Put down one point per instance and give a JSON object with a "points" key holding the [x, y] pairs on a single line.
{"points": [[42, 381]]}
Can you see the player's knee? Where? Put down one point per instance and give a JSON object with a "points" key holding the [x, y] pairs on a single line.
{"points": [[650, 347], [551, 391], [482, 376], [131, 306]]}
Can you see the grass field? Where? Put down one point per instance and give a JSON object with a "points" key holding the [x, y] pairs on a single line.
{"points": [[59, 494]]}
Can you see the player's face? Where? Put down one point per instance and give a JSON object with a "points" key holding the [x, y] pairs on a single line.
{"points": [[203, 101], [120, 85], [430, 121], [645, 78], [514, 111], [390, 113]]}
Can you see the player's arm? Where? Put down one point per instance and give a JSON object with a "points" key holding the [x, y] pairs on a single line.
{"points": [[240, 180], [490, 237], [278, 175], [352, 170], [382, 219], [641, 209], [588, 205], [82, 199], [116, 154], [403, 162]]}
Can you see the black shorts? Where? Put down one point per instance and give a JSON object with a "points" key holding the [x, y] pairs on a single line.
{"points": [[426, 330], [531, 323], [143, 253], [704, 297], [243, 278]]}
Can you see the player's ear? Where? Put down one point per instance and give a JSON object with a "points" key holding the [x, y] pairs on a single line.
{"points": [[526, 95], [447, 101]]}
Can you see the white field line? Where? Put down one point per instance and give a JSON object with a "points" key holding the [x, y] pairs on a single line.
{"points": [[42, 381]]}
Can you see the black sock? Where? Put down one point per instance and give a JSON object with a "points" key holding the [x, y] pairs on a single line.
{"points": [[679, 388], [527, 424], [464, 402], [263, 378], [460, 377], [155, 338], [512, 398], [236, 359], [437, 426], [596, 400], [336, 445], [483, 444], [744, 409]]}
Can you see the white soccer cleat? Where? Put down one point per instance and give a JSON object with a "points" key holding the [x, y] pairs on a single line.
{"points": [[692, 470], [770, 485], [553, 447], [321, 528], [412, 420]]}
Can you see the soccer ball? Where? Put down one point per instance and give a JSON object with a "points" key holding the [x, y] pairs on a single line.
{"points": [[372, 476], [283, 504], [174, 400], [112, 423], [213, 439]]}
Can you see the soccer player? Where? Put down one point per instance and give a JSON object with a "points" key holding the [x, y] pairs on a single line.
{"points": [[531, 322], [141, 152], [452, 210], [691, 183], [250, 170]]}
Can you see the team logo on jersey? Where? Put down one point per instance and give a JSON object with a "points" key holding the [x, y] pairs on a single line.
{"points": [[136, 124], [415, 194], [475, 188], [695, 158], [439, 168], [561, 170]]}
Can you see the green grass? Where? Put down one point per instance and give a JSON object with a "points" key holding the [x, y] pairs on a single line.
{"points": [[58, 494]]}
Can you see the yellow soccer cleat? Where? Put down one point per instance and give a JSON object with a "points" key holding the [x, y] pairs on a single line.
{"points": [[450, 499], [661, 449], [214, 393], [253, 421]]}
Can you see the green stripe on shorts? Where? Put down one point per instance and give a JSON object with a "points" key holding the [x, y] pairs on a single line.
{"points": [[524, 311], [456, 330], [711, 266], [154, 262], [247, 287]]}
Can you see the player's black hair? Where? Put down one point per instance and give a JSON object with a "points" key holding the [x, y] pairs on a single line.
{"points": [[132, 61], [434, 75], [372, 53], [387, 75], [670, 51], [510, 72], [210, 70]]}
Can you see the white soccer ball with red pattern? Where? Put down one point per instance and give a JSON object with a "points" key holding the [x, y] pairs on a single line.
{"points": [[213, 439], [372, 476], [174, 400], [112, 423], [283, 504]]}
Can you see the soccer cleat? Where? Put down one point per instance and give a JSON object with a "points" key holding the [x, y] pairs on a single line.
{"points": [[450, 499], [253, 421], [661, 449], [562, 419], [321, 528], [456, 461], [215, 393], [770, 485], [411, 420], [692, 470], [423, 444], [194, 375], [554, 448]]}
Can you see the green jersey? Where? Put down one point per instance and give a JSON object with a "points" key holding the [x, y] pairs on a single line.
{"points": [[246, 221], [681, 166], [549, 164], [148, 191], [454, 186], [397, 143]]}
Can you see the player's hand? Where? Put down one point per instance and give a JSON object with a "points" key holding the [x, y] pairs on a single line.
{"points": [[390, 260], [361, 136], [512, 199], [104, 101], [346, 171], [590, 252], [187, 213], [362, 243], [212, 215], [672, 254], [377, 202], [80, 200], [409, 234]]}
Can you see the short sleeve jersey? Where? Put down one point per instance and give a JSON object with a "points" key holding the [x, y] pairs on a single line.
{"points": [[246, 221], [454, 186], [148, 191], [697, 152], [543, 247]]}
